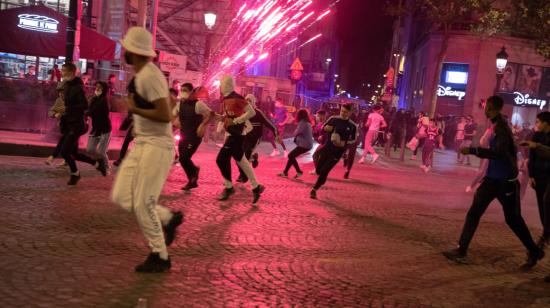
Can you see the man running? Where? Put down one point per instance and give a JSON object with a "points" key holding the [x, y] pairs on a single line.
{"points": [[342, 132], [142, 174], [252, 139], [500, 183], [75, 124], [194, 116], [236, 111]]}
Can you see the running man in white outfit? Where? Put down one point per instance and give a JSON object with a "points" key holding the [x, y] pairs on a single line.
{"points": [[142, 174], [375, 122]]}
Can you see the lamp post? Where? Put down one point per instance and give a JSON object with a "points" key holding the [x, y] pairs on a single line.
{"points": [[502, 60], [210, 22]]}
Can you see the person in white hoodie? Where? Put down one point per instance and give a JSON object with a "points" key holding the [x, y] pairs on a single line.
{"points": [[236, 111]]}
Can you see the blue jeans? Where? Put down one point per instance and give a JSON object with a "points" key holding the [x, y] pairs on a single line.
{"points": [[99, 145]]}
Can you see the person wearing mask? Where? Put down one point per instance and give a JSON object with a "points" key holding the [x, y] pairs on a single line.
{"points": [[375, 122], [236, 111], [252, 139], [142, 174], [539, 174], [303, 137], [499, 183], [194, 116], [281, 118], [98, 140], [75, 124], [342, 132], [56, 112]]}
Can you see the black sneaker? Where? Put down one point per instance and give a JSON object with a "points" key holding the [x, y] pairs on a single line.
{"points": [[456, 255], [102, 167], [255, 161], [170, 228], [116, 163], [542, 243], [190, 185], [532, 258], [73, 180], [313, 194], [196, 178], [346, 175], [226, 193], [154, 264], [257, 192], [242, 179], [298, 175]]}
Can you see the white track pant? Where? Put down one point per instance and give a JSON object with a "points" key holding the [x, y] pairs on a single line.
{"points": [[137, 188]]}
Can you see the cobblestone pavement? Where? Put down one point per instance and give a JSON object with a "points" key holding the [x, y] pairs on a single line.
{"points": [[371, 241]]}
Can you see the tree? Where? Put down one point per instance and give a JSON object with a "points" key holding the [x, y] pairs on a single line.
{"points": [[444, 16], [531, 19]]}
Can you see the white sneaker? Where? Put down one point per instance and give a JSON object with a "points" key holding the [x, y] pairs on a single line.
{"points": [[285, 154], [275, 153], [362, 160], [63, 164], [49, 161], [374, 158], [313, 172], [468, 189], [427, 169]]}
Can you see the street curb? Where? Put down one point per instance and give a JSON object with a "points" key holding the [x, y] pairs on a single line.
{"points": [[12, 149]]}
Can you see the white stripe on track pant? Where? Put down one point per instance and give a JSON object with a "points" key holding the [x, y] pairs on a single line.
{"points": [[137, 187]]}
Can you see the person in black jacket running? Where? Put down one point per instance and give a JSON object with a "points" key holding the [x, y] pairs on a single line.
{"points": [[98, 140], [75, 107], [499, 183], [252, 139]]}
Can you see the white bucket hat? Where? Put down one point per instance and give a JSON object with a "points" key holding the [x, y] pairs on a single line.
{"points": [[139, 41]]}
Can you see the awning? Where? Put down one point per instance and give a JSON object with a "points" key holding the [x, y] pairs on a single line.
{"points": [[40, 31]]}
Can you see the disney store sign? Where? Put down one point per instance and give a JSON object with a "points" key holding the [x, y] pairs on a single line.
{"points": [[449, 92], [525, 100]]}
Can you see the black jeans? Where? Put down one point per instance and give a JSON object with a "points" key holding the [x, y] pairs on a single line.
{"points": [[186, 149], [129, 137], [420, 144], [292, 159], [351, 150], [59, 146], [233, 147], [250, 143], [542, 189], [507, 193], [69, 151], [315, 155], [328, 158]]}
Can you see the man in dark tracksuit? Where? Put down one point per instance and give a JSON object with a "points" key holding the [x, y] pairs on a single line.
{"points": [[194, 116], [75, 125], [252, 139], [539, 175], [343, 132], [499, 183]]}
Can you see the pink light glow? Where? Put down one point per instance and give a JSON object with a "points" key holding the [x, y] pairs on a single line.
{"points": [[177, 137], [325, 13], [225, 61], [240, 54], [263, 56], [305, 18], [312, 39], [249, 57], [292, 41], [241, 9], [306, 5]]}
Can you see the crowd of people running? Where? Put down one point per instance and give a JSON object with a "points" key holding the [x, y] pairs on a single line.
{"points": [[154, 110]]}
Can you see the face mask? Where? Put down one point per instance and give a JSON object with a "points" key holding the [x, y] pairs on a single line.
{"points": [[128, 58], [185, 95], [98, 93]]}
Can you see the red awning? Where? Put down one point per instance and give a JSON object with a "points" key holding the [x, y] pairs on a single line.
{"points": [[40, 31]]}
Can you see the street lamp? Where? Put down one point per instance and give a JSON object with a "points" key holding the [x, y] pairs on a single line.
{"points": [[502, 60], [209, 20]]}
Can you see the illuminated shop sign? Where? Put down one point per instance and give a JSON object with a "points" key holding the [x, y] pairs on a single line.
{"points": [[525, 101], [39, 23], [450, 92]]}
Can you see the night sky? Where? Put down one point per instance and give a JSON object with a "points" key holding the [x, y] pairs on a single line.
{"points": [[365, 34]]}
